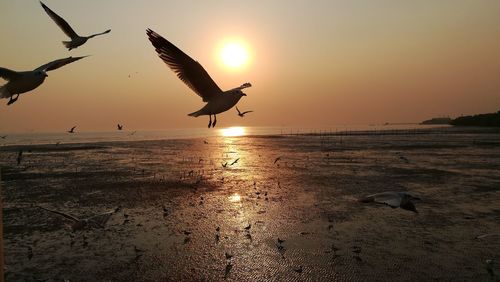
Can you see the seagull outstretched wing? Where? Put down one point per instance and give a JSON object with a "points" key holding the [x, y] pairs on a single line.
{"points": [[187, 69], [8, 74], [391, 199], [70, 217], [58, 63], [66, 28]]}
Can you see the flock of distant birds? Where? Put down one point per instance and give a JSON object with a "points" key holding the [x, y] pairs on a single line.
{"points": [[187, 70]]}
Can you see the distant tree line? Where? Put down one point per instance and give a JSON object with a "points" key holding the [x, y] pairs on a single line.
{"points": [[492, 119]]}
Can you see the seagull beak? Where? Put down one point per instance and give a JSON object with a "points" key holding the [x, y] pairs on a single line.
{"points": [[46, 75], [244, 94]]}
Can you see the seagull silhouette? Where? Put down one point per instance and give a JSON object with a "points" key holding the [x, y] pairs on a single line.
{"points": [[72, 130], [196, 77], [393, 199], [76, 40], [3, 137], [120, 126], [235, 161], [242, 114], [24, 81]]}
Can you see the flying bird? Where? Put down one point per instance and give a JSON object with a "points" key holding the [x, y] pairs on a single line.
{"points": [[120, 126], [242, 114], [235, 161], [76, 40], [96, 221], [72, 130], [3, 136], [196, 77], [24, 81], [393, 199]]}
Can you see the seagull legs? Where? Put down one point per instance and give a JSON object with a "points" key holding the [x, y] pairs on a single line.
{"points": [[210, 122], [11, 101], [215, 121]]}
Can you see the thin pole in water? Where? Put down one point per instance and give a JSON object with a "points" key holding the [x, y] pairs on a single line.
{"points": [[1, 232]]}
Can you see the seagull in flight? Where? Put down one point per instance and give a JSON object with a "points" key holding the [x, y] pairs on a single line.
{"points": [[120, 126], [72, 130], [96, 221], [3, 137], [393, 199], [242, 114], [24, 81], [76, 40], [196, 77]]}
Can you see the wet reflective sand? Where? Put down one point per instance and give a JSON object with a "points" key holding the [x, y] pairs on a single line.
{"points": [[183, 211]]}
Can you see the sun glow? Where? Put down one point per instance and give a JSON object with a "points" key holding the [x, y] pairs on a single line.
{"points": [[233, 131], [234, 55]]}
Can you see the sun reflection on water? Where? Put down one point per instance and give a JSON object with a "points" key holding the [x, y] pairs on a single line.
{"points": [[233, 131]]}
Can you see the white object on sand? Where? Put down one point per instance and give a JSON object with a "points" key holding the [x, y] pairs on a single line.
{"points": [[393, 199], [196, 78]]}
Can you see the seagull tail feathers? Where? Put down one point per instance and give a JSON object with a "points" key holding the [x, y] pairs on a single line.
{"points": [[67, 44], [195, 114], [4, 93]]}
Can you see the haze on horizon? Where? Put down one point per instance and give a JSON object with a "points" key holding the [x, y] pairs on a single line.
{"points": [[332, 62]]}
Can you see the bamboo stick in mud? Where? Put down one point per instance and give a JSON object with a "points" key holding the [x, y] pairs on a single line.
{"points": [[2, 277]]}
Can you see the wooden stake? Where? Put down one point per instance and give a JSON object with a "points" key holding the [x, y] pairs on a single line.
{"points": [[2, 277]]}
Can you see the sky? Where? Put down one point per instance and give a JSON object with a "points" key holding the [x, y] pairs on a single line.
{"points": [[311, 63]]}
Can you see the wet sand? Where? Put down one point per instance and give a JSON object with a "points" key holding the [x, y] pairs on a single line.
{"points": [[175, 195]]}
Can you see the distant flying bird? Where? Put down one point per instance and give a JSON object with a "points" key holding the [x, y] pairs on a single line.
{"points": [[76, 40], [120, 126], [72, 130], [277, 159], [196, 78], [133, 133], [393, 199], [3, 137], [235, 161], [24, 81], [19, 157], [96, 221], [242, 114], [224, 164]]}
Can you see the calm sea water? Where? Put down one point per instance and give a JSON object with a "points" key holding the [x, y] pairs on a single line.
{"points": [[129, 135]]}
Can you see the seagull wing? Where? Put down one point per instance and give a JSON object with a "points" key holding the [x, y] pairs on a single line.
{"points": [[389, 198], [58, 63], [187, 69], [61, 214], [8, 74], [246, 112], [66, 28], [102, 219]]}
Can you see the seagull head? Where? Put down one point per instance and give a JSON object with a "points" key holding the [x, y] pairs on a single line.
{"points": [[240, 93], [41, 73]]}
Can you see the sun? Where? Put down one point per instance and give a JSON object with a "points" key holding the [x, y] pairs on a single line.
{"points": [[234, 131], [234, 55]]}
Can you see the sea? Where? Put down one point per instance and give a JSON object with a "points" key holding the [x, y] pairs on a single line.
{"points": [[41, 138]]}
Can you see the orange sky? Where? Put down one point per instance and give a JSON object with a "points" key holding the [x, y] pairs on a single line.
{"points": [[318, 63]]}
